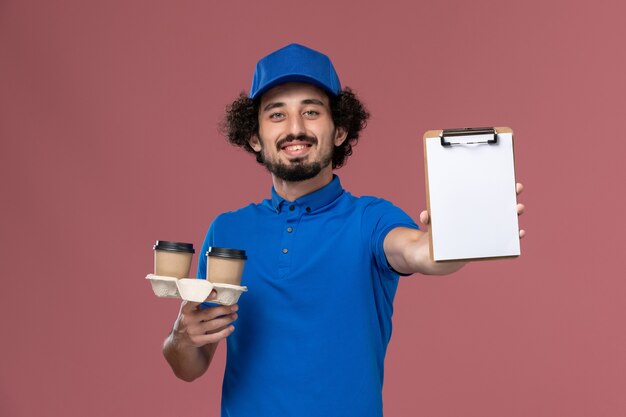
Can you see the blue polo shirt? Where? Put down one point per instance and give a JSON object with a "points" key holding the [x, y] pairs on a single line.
{"points": [[314, 326]]}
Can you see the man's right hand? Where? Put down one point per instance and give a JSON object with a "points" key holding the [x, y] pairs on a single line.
{"points": [[190, 347], [199, 327]]}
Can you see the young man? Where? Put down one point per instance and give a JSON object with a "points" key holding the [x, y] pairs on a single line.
{"points": [[323, 265]]}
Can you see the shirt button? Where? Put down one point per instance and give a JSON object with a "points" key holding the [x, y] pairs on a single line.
{"points": [[285, 250], [292, 208], [290, 229], [308, 209]]}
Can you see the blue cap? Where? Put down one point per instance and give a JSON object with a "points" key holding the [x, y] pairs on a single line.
{"points": [[294, 63]]}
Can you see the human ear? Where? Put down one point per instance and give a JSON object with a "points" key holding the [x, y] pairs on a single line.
{"points": [[340, 135], [254, 143]]}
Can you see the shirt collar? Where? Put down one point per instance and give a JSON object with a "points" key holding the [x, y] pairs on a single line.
{"points": [[313, 201]]}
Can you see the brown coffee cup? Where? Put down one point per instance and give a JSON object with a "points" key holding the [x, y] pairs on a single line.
{"points": [[172, 259], [225, 265]]}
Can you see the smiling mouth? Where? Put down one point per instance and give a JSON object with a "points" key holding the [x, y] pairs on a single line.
{"points": [[293, 143], [294, 148], [296, 151]]}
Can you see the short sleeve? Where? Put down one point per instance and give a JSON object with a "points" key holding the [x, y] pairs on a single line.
{"points": [[381, 217]]}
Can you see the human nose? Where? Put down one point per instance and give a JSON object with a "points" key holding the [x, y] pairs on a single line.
{"points": [[296, 126]]}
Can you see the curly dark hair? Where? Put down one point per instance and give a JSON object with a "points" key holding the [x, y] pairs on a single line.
{"points": [[241, 123]]}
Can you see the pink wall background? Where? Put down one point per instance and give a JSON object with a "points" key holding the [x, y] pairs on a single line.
{"points": [[108, 114]]}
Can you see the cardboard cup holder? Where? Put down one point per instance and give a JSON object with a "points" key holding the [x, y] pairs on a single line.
{"points": [[228, 294], [196, 290], [164, 287]]}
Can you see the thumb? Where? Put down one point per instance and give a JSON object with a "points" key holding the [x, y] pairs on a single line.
{"points": [[213, 295], [425, 217]]}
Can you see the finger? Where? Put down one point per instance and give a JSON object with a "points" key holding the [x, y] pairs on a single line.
{"points": [[520, 209], [216, 325], [205, 339], [192, 316], [211, 313], [424, 217], [212, 296], [519, 188], [522, 233]]}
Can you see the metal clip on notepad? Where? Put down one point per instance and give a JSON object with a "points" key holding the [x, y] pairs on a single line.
{"points": [[469, 136]]}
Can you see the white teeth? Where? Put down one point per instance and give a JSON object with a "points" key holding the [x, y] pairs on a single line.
{"points": [[295, 147]]}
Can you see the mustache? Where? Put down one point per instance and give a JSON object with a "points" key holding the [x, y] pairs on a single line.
{"points": [[290, 138]]}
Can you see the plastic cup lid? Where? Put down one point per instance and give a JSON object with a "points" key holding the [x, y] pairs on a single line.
{"points": [[226, 253], [174, 246]]}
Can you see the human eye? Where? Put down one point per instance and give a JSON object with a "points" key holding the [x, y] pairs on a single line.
{"points": [[276, 116], [311, 113]]}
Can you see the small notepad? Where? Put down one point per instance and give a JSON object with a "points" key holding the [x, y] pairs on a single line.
{"points": [[470, 182]]}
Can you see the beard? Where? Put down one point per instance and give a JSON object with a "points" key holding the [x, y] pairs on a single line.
{"points": [[297, 169]]}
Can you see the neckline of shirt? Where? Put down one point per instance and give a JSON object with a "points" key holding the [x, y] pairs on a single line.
{"points": [[312, 201]]}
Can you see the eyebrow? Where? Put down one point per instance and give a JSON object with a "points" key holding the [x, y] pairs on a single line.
{"points": [[276, 104]]}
